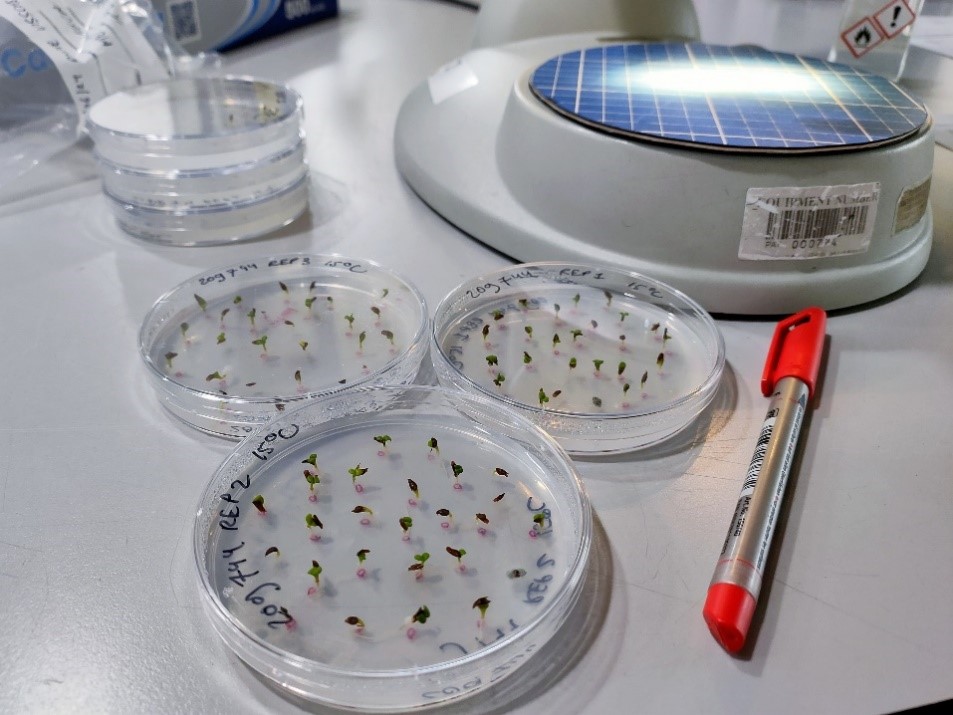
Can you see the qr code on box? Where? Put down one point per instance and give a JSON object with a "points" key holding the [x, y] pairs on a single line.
{"points": [[184, 20]]}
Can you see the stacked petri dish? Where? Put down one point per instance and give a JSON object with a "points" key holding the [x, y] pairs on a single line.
{"points": [[202, 161]]}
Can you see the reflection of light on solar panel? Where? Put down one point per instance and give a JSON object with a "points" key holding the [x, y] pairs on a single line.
{"points": [[689, 79]]}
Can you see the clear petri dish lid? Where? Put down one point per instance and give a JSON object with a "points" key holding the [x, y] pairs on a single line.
{"points": [[392, 548], [231, 348], [195, 123], [214, 219], [605, 360]]}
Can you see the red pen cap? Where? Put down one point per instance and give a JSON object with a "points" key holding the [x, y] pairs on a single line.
{"points": [[796, 350]]}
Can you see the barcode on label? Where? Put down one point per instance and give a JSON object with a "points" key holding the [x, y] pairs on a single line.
{"points": [[757, 460], [184, 20], [801, 224]]}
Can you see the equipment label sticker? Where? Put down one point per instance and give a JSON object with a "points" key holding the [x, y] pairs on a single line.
{"points": [[805, 222], [912, 206]]}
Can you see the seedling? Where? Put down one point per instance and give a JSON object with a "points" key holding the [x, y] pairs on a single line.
{"points": [[311, 459], [499, 497], [406, 523], [315, 572], [457, 468], [557, 393], [501, 472], [422, 614], [516, 573], [169, 357], [251, 316], [482, 518], [288, 322], [655, 326], [486, 331], [497, 315], [361, 557], [482, 604], [572, 363], [527, 358], [445, 513], [608, 296], [259, 503], [311, 478], [236, 300], [575, 332], [361, 509], [220, 339], [309, 301], [528, 329], [224, 313], [539, 519], [350, 320], [262, 342], [660, 360], [597, 401], [621, 367], [184, 328], [543, 397], [356, 622], [432, 443], [498, 380], [330, 301], [214, 376], [645, 377], [665, 336], [376, 311], [458, 554], [418, 566], [389, 335], [384, 293], [303, 344], [414, 489], [312, 286], [298, 376], [556, 340], [492, 360], [556, 308], [623, 315], [524, 304], [355, 472], [382, 440], [360, 340], [594, 324], [598, 364], [312, 520], [575, 300], [283, 286], [625, 388], [272, 550], [203, 304]]}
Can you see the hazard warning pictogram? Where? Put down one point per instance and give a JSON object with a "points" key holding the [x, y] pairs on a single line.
{"points": [[893, 17], [862, 37]]}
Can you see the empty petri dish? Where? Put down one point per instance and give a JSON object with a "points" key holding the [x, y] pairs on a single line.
{"points": [[206, 188], [230, 348], [392, 548], [195, 123], [249, 215], [605, 360]]}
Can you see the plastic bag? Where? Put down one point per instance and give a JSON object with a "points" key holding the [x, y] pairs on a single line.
{"points": [[58, 57]]}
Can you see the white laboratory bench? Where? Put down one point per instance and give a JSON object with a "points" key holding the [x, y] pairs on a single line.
{"points": [[100, 608]]}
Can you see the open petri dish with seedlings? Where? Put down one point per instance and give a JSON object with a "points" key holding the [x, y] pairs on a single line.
{"points": [[393, 547], [232, 347], [605, 360]]}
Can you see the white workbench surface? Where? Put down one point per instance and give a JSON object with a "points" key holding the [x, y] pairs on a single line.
{"points": [[99, 604]]}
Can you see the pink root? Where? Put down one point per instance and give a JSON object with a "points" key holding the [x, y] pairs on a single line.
{"points": [[365, 521], [315, 537], [418, 575], [481, 531], [412, 502], [458, 486], [381, 453], [361, 573], [411, 633], [405, 537], [462, 568], [532, 533], [431, 457], [312, 497], [313, 590], [444, 524], [359, 488]]}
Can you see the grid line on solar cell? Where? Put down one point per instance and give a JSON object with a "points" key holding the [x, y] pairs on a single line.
{"points": [[617, 87]]}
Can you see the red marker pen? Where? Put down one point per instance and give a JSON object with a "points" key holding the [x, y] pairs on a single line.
{"points": [[790, 373]]}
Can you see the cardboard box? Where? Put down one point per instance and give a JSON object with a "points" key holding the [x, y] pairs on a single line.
{"points": [[202, 25]]}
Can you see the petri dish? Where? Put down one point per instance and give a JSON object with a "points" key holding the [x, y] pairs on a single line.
{"points": [[195, 189], [195, 123], [232, 347], [226, 218], [392, 548], [605, 360]]}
